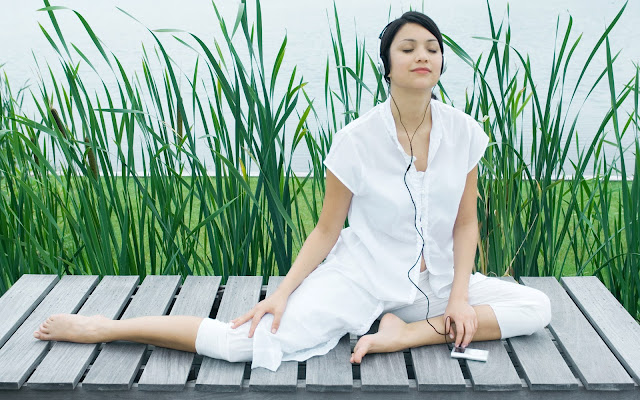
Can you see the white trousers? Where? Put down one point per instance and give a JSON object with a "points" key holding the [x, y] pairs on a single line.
{"points": [[328, 305]]}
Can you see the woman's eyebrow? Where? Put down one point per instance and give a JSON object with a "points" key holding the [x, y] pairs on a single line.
{"points": [[413, 40]]}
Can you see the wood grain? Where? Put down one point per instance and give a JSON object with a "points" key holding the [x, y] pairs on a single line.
{"points": [[118, 362], [22, 352], [168, 369]]}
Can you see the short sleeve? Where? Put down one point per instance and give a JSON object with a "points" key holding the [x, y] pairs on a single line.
{"points": [[478, 141], [344, 161]]}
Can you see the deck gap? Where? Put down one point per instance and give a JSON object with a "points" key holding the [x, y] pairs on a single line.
{"points": [[408, 360], [247, 371], [464, 368], [565, 358], [302, 370], [263, 293], [216, 303], [514, 359]]}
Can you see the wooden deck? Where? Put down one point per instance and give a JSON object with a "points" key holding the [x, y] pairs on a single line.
{"points": [[591, 349]]}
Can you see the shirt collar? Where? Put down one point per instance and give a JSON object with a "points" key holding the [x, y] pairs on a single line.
{"points": [[436, 123]]}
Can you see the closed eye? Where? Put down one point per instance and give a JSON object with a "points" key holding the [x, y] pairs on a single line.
{"points": [[410, 50]]}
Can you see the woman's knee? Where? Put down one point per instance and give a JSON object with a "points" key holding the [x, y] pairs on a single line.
{"points": [[540, 309], [524, 314], [543, 308]]}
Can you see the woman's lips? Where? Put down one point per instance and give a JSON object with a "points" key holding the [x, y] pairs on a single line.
{"points": [[421, 70]]}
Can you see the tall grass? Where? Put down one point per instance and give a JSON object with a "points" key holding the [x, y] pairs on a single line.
{"points": [[76, 199]]}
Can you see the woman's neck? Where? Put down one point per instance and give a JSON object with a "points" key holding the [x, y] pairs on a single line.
{"points": [[411, 106]]}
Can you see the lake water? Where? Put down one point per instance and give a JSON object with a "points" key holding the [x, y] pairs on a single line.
{"points": [[307, 25]]}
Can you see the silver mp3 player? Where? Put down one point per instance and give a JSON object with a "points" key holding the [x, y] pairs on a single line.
{"points": [[469, 354]]}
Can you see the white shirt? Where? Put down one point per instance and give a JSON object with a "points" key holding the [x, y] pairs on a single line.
{"points": [[382, 244]]}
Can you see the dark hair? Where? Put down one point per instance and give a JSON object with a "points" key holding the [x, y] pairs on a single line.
{"points": [[389, 32]]}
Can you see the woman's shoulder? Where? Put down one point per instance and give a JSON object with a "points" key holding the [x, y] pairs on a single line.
{"points": [[451, 114], [364, 125]]}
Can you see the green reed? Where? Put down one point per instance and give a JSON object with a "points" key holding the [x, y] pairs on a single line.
{"points": [[75, 199]]}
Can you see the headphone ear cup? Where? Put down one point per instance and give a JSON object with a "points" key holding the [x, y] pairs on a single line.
{"points": [[444, 65]]}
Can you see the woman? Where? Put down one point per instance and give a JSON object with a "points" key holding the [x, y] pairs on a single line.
{"points": [[405, 173]]}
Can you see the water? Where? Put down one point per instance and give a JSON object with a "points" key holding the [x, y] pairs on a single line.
{"points": [[307, 26]]}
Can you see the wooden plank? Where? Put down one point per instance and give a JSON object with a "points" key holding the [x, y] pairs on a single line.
{"points": [[331, 372], [190, 394], [285, 378], [240, 295], [384, 372], [541, 362], [619, 330], [63, 367], [498, 373], [22, 352], [22, 298], [168, 369], [435, 370], [118, 362], [596, 366]]}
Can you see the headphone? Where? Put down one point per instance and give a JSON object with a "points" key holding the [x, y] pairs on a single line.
{"points": [[381, 69]]}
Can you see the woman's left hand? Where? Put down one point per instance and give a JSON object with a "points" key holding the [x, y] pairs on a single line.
{"points": [[465, 319]]}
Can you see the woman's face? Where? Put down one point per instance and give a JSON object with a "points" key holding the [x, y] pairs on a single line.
{"points": [[415, 58]]}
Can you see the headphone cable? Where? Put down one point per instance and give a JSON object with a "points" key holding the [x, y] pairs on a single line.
{"points": [[416, 214]]}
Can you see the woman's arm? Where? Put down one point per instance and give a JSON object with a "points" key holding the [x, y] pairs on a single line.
{"points": [[315, 249], [465, 239], [324, 236]]}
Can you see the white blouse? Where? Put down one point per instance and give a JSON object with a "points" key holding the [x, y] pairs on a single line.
{"points": [[381, 244]]}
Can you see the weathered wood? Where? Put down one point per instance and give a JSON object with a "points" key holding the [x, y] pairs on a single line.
{"points": [[384, 372], [65, 363], [22, 352], [590, 357], [541, 362], [331, 372], [118, 362], [22, 298], [285, 378], [435, 370], [498, 373], [619, 330], [241, 294], [526, 350], [168, 369]]}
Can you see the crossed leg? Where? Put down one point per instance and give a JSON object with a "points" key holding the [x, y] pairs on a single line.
{"points": [[394, 334]]}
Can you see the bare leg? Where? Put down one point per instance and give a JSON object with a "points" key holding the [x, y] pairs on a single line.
{"points": [[175, 332], [394, 334]]}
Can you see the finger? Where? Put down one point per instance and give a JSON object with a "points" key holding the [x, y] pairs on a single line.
{"points": [[254, 323], [276, 322], [241, 320], [459, 333], [468, 335], [447, 327]]}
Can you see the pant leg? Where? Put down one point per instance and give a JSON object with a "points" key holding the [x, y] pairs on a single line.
{"points": [[519, 309], [326, 306]]}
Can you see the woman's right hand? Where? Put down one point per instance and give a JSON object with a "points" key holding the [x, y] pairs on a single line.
{"points": [[274, 304]]}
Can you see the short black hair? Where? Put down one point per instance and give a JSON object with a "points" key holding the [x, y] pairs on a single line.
{"points": [[389, 32]]}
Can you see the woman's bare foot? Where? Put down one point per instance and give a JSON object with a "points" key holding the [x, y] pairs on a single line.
{"points": [[387, 339], [73, 328]]}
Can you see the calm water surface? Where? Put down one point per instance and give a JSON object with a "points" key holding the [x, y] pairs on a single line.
{"points": [[307, 25]]}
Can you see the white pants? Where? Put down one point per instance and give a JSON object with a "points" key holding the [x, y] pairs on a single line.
{"points": [[312, 324]]}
